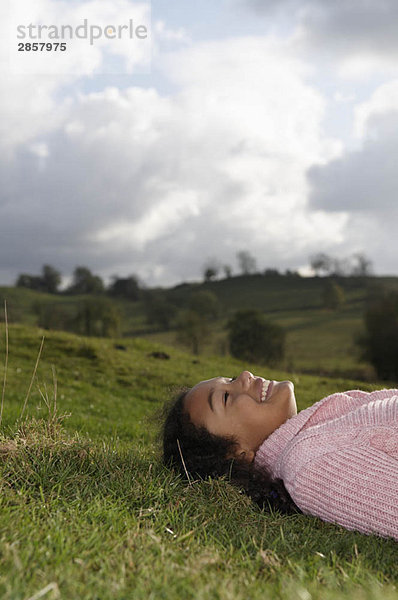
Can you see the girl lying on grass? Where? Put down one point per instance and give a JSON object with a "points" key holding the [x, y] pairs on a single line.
{"points": [[337, 459]]}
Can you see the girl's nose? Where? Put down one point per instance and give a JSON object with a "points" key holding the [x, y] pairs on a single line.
{"points": [[245, 376]]}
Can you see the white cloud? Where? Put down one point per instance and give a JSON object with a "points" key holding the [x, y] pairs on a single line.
{"points": [[164, 33], [31, 99], [135, 181], [340, 97]]}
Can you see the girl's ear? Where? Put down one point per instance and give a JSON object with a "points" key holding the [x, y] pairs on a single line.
{"points": [[245, 455], [242, 453]]}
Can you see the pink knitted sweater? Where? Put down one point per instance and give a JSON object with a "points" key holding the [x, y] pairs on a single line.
{"points": [[338, 460]]}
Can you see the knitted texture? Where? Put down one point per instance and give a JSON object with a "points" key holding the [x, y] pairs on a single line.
{"points": [[339, 460]]}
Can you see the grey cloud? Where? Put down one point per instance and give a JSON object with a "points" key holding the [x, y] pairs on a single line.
{"points": [[52, 207], [349, 26], [364, 185], [361, 181]]}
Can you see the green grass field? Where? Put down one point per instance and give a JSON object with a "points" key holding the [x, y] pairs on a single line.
{"points": [[317, 340], [88, 511]]}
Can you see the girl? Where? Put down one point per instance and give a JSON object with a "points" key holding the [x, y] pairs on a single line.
{"points": [[337, 459]]}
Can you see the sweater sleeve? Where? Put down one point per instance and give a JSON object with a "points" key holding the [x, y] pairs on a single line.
{"points": [[356, 487]]}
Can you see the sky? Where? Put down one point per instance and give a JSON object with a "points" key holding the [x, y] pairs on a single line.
{"points": [[269, 126]]}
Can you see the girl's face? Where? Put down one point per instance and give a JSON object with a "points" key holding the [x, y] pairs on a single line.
{"points": [[248, 408]]}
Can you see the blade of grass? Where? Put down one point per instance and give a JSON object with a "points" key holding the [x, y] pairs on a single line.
{"points": [[5, 363], [51, 587], [183, 462], [45, 399], [55, 389], [33, 376]]}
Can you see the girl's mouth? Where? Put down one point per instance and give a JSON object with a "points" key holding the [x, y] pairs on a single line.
{"points": [[266, 390]]}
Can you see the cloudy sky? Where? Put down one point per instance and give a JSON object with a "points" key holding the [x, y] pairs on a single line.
{"points": [[262, 125]]}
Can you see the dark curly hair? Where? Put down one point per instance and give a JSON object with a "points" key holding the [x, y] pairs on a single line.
{"points": [[195, 453]]}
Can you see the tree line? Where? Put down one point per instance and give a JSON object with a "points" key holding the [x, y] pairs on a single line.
{"points": [[247, 265], [321, 264], [94, 315], [250, 336], [86, 282], [83, 282]]}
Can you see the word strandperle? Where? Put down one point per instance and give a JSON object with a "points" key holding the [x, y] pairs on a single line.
{"points": [[82, 32]]}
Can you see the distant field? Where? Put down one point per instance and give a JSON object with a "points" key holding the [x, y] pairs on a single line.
{"points": [[87, 510], [318, 340]]}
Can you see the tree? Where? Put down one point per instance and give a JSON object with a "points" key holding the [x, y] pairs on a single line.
{"points": [[194, 325], [321, 263], [50, 315], [271, 273], [227, 271], [341, 267], [48, 282], [205, 304], [362, 265], [247, 262], [332, 295], [159, 312], [32, 282], [379, 343], [127, 287], [97, 317], [211, 269], [357, 265], [84, 282], [210, 274], [289, 273], [192, 330], [51, 279], [253, 338]]}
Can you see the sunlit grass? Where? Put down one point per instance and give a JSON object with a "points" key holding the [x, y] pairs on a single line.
{"points": [[88, 511]]}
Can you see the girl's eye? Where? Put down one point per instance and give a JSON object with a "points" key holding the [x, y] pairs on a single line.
{"points": [[226, 393]]}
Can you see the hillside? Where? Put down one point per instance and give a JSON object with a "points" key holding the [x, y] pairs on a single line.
{"points": [[88, 511], [110, 385], [318, 340]]}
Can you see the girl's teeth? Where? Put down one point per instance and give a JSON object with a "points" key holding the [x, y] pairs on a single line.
{"points": [[264, 390]]}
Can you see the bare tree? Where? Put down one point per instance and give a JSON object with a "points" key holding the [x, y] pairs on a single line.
{"points": [[341, 267], [362, 265], [211, 269], [247, 262], [321, 263], [356, 265], [227, 271]]}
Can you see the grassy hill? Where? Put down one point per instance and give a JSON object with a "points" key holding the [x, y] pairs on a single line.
{"points": [[318, 340], [87, 510]]}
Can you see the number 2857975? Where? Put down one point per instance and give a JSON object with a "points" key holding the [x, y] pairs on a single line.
{"points": [[41, 47]]}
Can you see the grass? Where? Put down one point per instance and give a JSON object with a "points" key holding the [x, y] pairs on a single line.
{"points": [[87, 510]]}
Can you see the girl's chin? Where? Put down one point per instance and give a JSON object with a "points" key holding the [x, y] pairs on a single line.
{"points": [[285, 388]]}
